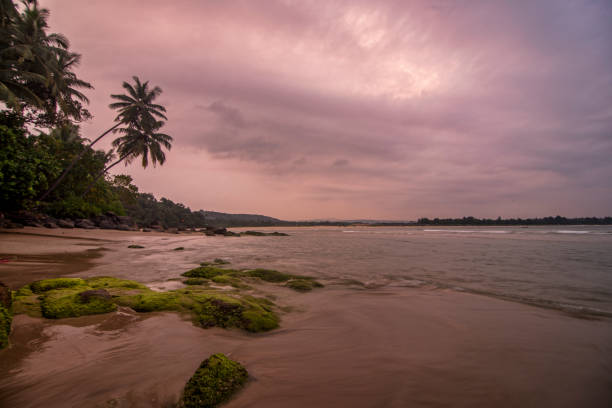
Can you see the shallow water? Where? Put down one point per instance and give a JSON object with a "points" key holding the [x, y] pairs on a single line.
{"points": [[568, 268], [409, 337]]}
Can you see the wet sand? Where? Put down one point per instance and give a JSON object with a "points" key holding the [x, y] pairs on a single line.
{"points": [[386, 347]]}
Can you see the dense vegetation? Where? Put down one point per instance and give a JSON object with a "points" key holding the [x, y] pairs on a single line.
{"points": [[46, 165]]}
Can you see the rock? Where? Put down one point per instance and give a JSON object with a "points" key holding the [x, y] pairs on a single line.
{"points": [[88, 295], [106, 224], [172, 230], [124, 219], [214, 382], [5, 296], [124, 227], [63, 223], [209, 233], [230, 234], [220, 231], [84, 223], [50, 225], [146, 230]]}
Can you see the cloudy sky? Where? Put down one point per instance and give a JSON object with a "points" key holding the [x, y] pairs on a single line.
{"points": [[386, 109]]}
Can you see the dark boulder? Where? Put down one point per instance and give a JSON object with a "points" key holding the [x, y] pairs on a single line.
{"points": [[124, 219], [106, 224], [65, 223], [50, 224], [84, 223]]}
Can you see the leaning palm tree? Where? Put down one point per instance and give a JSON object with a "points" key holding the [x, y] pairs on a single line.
{"points": [[139, 141], [136, 109]]}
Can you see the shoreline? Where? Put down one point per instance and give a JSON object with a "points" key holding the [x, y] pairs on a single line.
{"points": [[337, 347]]}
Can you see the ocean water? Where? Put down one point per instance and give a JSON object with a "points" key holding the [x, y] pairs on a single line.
{"points": [[567, 267]]}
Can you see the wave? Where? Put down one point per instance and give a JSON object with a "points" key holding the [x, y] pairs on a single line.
{"points": [[469, 231]]}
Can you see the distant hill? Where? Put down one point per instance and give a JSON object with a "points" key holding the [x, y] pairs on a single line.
{"points": [[239, 220]]}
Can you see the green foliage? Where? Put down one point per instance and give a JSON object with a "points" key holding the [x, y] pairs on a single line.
{"points": [[5, 326], [36, 68], [214, 382], [27, 163]]}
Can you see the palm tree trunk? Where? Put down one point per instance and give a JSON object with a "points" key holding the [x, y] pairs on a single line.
{"points": [[74, 161], [103, 172]]}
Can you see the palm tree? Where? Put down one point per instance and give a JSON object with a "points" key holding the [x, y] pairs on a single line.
{"points": [[139, 141], [136, 110], [35, 67]]}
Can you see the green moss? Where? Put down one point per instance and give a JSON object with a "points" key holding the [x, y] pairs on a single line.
{"points": [[214, 382], [59, 283], [269, 275], [208, 307], [207, 272], [303, 285], [107, 282], [150, 301], [135, 246], [196, 281], [216, 261], [61, 303], [5, 326], [178, 249]]}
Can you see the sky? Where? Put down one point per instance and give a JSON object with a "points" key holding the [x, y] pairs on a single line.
{"points": [[387, 109]]}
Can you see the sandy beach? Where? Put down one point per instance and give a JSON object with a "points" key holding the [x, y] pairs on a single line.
{"points": [[337, 346]]}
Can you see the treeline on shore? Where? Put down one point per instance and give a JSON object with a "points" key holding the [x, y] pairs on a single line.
{"points": [[48, 168]]}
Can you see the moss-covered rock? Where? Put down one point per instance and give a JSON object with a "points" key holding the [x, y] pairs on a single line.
{"points": [[5, 326], [216, 261], [207, 272], [303, 285], [42, 286], [107, 282], [150, 301], [268, 275], [214, 382], [265, 234], [64, 297], [196, 281], [61, 303]]}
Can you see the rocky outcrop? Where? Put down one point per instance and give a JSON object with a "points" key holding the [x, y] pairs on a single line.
{"points": [[65, 223], [84, 223]]}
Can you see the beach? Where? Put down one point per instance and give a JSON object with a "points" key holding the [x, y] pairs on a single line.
{"points": [[369, 345]]}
